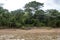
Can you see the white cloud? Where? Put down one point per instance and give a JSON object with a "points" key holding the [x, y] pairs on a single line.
{"points": [[51, 5], [2, 1], [42, 1], [16, 4]]}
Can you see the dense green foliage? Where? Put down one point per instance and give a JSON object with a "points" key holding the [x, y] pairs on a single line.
{"points": [[31, 16]]}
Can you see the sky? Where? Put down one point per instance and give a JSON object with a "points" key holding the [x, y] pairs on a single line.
{"points": [[19, 4]]}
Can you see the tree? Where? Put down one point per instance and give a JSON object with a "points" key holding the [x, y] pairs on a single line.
{"points": [[53, 17], [31, 16], [17, 17], [34, 5], [33, 8]]}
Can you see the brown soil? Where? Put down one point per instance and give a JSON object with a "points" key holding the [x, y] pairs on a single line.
{"points": [[33, 34], [3, 31]]}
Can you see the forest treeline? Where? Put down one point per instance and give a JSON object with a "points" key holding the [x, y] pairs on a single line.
{"points": [[31, 16]]}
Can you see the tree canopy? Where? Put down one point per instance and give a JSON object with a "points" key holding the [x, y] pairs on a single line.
{"points": [[31, 16]]}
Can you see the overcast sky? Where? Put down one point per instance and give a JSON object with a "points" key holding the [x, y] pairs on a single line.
{"points": [[17, 4]]}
